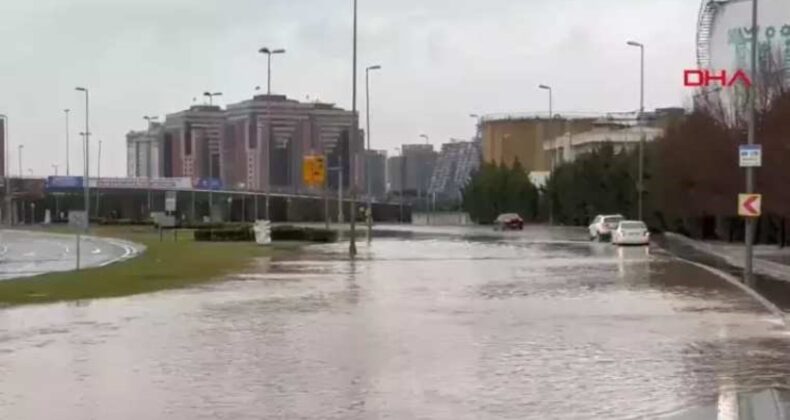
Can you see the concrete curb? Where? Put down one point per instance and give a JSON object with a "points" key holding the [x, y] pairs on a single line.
{"points": [[761, 266]]}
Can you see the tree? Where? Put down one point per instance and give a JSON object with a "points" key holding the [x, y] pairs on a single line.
{"points": [[493, 190]]}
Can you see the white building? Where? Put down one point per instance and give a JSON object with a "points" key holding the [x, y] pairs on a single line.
{"points": [[621, 134], [142, 147]]}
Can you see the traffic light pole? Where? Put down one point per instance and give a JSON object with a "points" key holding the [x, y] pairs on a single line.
{"points": [[748, 275]]}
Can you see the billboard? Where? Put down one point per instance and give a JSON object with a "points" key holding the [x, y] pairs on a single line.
{"points": [[64, 182], [728, 24]]}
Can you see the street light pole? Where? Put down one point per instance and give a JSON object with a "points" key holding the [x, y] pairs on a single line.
{"points": [[149, 169], [55, 167], [98, 176], [551, 99], [86, 181], [369, 155], [752, 139], [6, 172], [19, 156], [352, 247], [269, 52], [641, 182], [68, 166], [211, 95]]}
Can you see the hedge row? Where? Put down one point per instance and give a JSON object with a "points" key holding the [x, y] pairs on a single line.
{"points": [[238, 234], [293, 233]]}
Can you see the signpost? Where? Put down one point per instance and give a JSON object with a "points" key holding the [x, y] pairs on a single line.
{"points": [[750, 205], [78, 220], [170, 201], [750, 156]]}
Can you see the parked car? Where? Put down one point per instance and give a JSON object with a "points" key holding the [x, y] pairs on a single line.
{"points": [[509, 221], [603, 225], [631, 232]]}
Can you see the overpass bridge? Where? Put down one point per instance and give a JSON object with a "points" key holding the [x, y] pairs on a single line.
{"points": [[196, 201]]}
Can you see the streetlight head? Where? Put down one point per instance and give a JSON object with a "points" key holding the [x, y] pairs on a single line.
{"points": [[206, 93], [376, 67], [279, 51], [634, 44], [474, 116], [544, 87], [264, 50], [81, 89], [67, 110], [216, 94]]}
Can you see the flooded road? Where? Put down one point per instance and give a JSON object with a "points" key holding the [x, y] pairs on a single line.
{"points": [[457, 324], [26, 253]]}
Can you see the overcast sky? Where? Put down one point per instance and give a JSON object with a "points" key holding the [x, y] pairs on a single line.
{"points": [[441, 59]]}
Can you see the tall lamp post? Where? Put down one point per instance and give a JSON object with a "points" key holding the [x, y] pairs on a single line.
{"points": [[211, 95], [149, 168], [641, 182], [68, 165], [369, 156], [6, 172], [752, 139], [85, 182], [19, 156], [98, 176], [269, 52], [551, 99], [352, 246]]}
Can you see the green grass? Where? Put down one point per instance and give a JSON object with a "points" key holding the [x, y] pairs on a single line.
{"points": [[163, 265]]}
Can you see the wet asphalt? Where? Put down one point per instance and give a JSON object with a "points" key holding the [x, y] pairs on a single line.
{"points": [[427, 323]]}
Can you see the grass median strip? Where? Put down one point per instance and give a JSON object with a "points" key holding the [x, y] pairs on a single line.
{"points": [[163, 265]]}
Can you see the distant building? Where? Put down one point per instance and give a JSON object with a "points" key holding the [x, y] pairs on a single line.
{"points": [[192, 143], [142, 149], [621, 131], [541, 144], [257, 144], [376, 172], [420, 160], [395, 174], [271, 131], [454, 166], [508, 138]]}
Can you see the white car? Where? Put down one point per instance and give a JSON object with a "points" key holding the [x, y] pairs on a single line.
{"points": [[603, 225], [631, 232]]}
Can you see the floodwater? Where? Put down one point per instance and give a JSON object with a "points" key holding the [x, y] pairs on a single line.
{"points": [[26, 254], [453, 325]]}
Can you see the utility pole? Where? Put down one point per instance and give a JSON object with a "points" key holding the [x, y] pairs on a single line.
{"points": [[68, 166], [86, 181], [149, 167], [752, 139], [352, 246], [6, 172], [98, 176], [370, 152], [641, 182], [269, 52]]}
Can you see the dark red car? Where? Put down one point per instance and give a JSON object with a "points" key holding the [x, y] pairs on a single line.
{"points": [[509, 221]]}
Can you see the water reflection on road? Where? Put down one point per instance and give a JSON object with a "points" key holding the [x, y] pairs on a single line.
{"points": [[440, 325]]}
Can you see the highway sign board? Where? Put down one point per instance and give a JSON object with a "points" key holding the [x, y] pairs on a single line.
{"points": [[64, 182], [314, 170], [751, 155], [170, 200], [750, 205]]}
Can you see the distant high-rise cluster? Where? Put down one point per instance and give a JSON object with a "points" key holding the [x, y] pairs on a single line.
{"points": [[257, 144]]}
